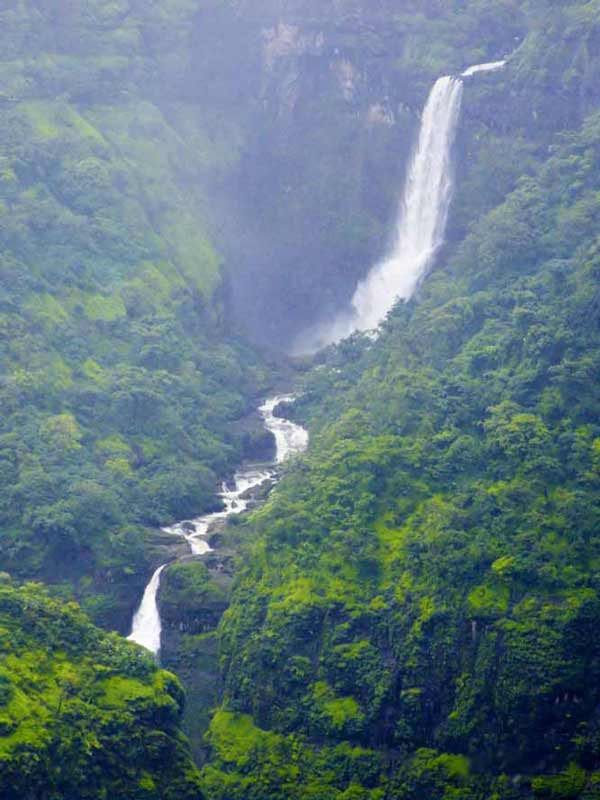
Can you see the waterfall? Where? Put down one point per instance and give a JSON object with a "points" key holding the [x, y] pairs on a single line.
{"points": [[421, 222], [289, 439], [493, 66], [146, 627]]}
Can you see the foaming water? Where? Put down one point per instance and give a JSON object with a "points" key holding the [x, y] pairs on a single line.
{"points": [[146, 627], [290, 439], [422, 219], [492, 66], [194, 531]]}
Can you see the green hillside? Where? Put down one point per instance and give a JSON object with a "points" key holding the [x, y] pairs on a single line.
{"points": [[414, 612], [119, 372], [84, 714], [418, 617]]}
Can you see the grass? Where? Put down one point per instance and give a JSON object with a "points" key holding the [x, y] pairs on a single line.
{"points": [[236, 737], [118, 691]]}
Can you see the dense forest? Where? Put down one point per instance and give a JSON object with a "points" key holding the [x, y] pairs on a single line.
{"points": [[84, 713], [186, 185], [421, 600], [119, 374]]}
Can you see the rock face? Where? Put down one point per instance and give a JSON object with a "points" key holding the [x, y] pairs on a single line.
{"points": [[285, 41], [319, 172], [194, 595], [328, 101], [329, 104]]}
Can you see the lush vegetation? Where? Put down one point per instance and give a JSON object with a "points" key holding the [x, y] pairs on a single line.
{"points": [[119, 379], [416, 610], [192, 601], [84, 714], [418, 615]]}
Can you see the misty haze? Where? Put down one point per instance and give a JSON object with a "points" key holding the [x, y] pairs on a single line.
{"points": [[300, 400]]}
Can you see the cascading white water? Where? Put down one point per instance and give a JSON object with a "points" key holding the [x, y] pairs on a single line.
{"points": [[420, 232], [492, 66], [289, 440], [194, 531], [421, 223], [146, 627], [289, 437]]}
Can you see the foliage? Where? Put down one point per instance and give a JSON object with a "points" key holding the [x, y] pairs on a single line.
{"points": [[424, 583], [84, 714], [417, 606], [119, 379]]}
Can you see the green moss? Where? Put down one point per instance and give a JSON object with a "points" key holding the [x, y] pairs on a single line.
{"points": [[236, 737], [340, 713], [566, 786], [117, 692], [296, 595], [393, 541], [488, 600], [101, 308]]}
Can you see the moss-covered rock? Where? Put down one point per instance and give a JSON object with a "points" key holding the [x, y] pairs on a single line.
{"points": [[83, 713]]}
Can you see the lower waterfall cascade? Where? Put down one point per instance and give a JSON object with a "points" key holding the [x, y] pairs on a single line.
{"points": [[290, 439]]}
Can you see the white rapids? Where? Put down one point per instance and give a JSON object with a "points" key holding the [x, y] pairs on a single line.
{"points": [[492, 66], [421, 224], [290, 439]]}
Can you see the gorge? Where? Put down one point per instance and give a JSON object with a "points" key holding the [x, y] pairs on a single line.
{"points": [[420, 233], [191, 190]]}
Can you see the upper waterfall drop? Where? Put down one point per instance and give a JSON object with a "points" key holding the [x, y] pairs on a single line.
{"points": [[424, 210], [492, 66], [421, 222]]}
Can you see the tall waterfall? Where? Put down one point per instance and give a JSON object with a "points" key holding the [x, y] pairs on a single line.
{"points": [[421, 221], [424, 211]]}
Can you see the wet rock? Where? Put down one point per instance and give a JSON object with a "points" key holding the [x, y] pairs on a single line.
{"points": [[259, 446], [188, 527], [215, 540]]}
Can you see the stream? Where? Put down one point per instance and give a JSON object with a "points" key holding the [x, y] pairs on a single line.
{"points": [[290, 439], [420, 232]]}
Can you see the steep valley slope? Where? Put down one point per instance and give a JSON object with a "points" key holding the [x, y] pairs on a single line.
{"points": [[415, 609]]}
